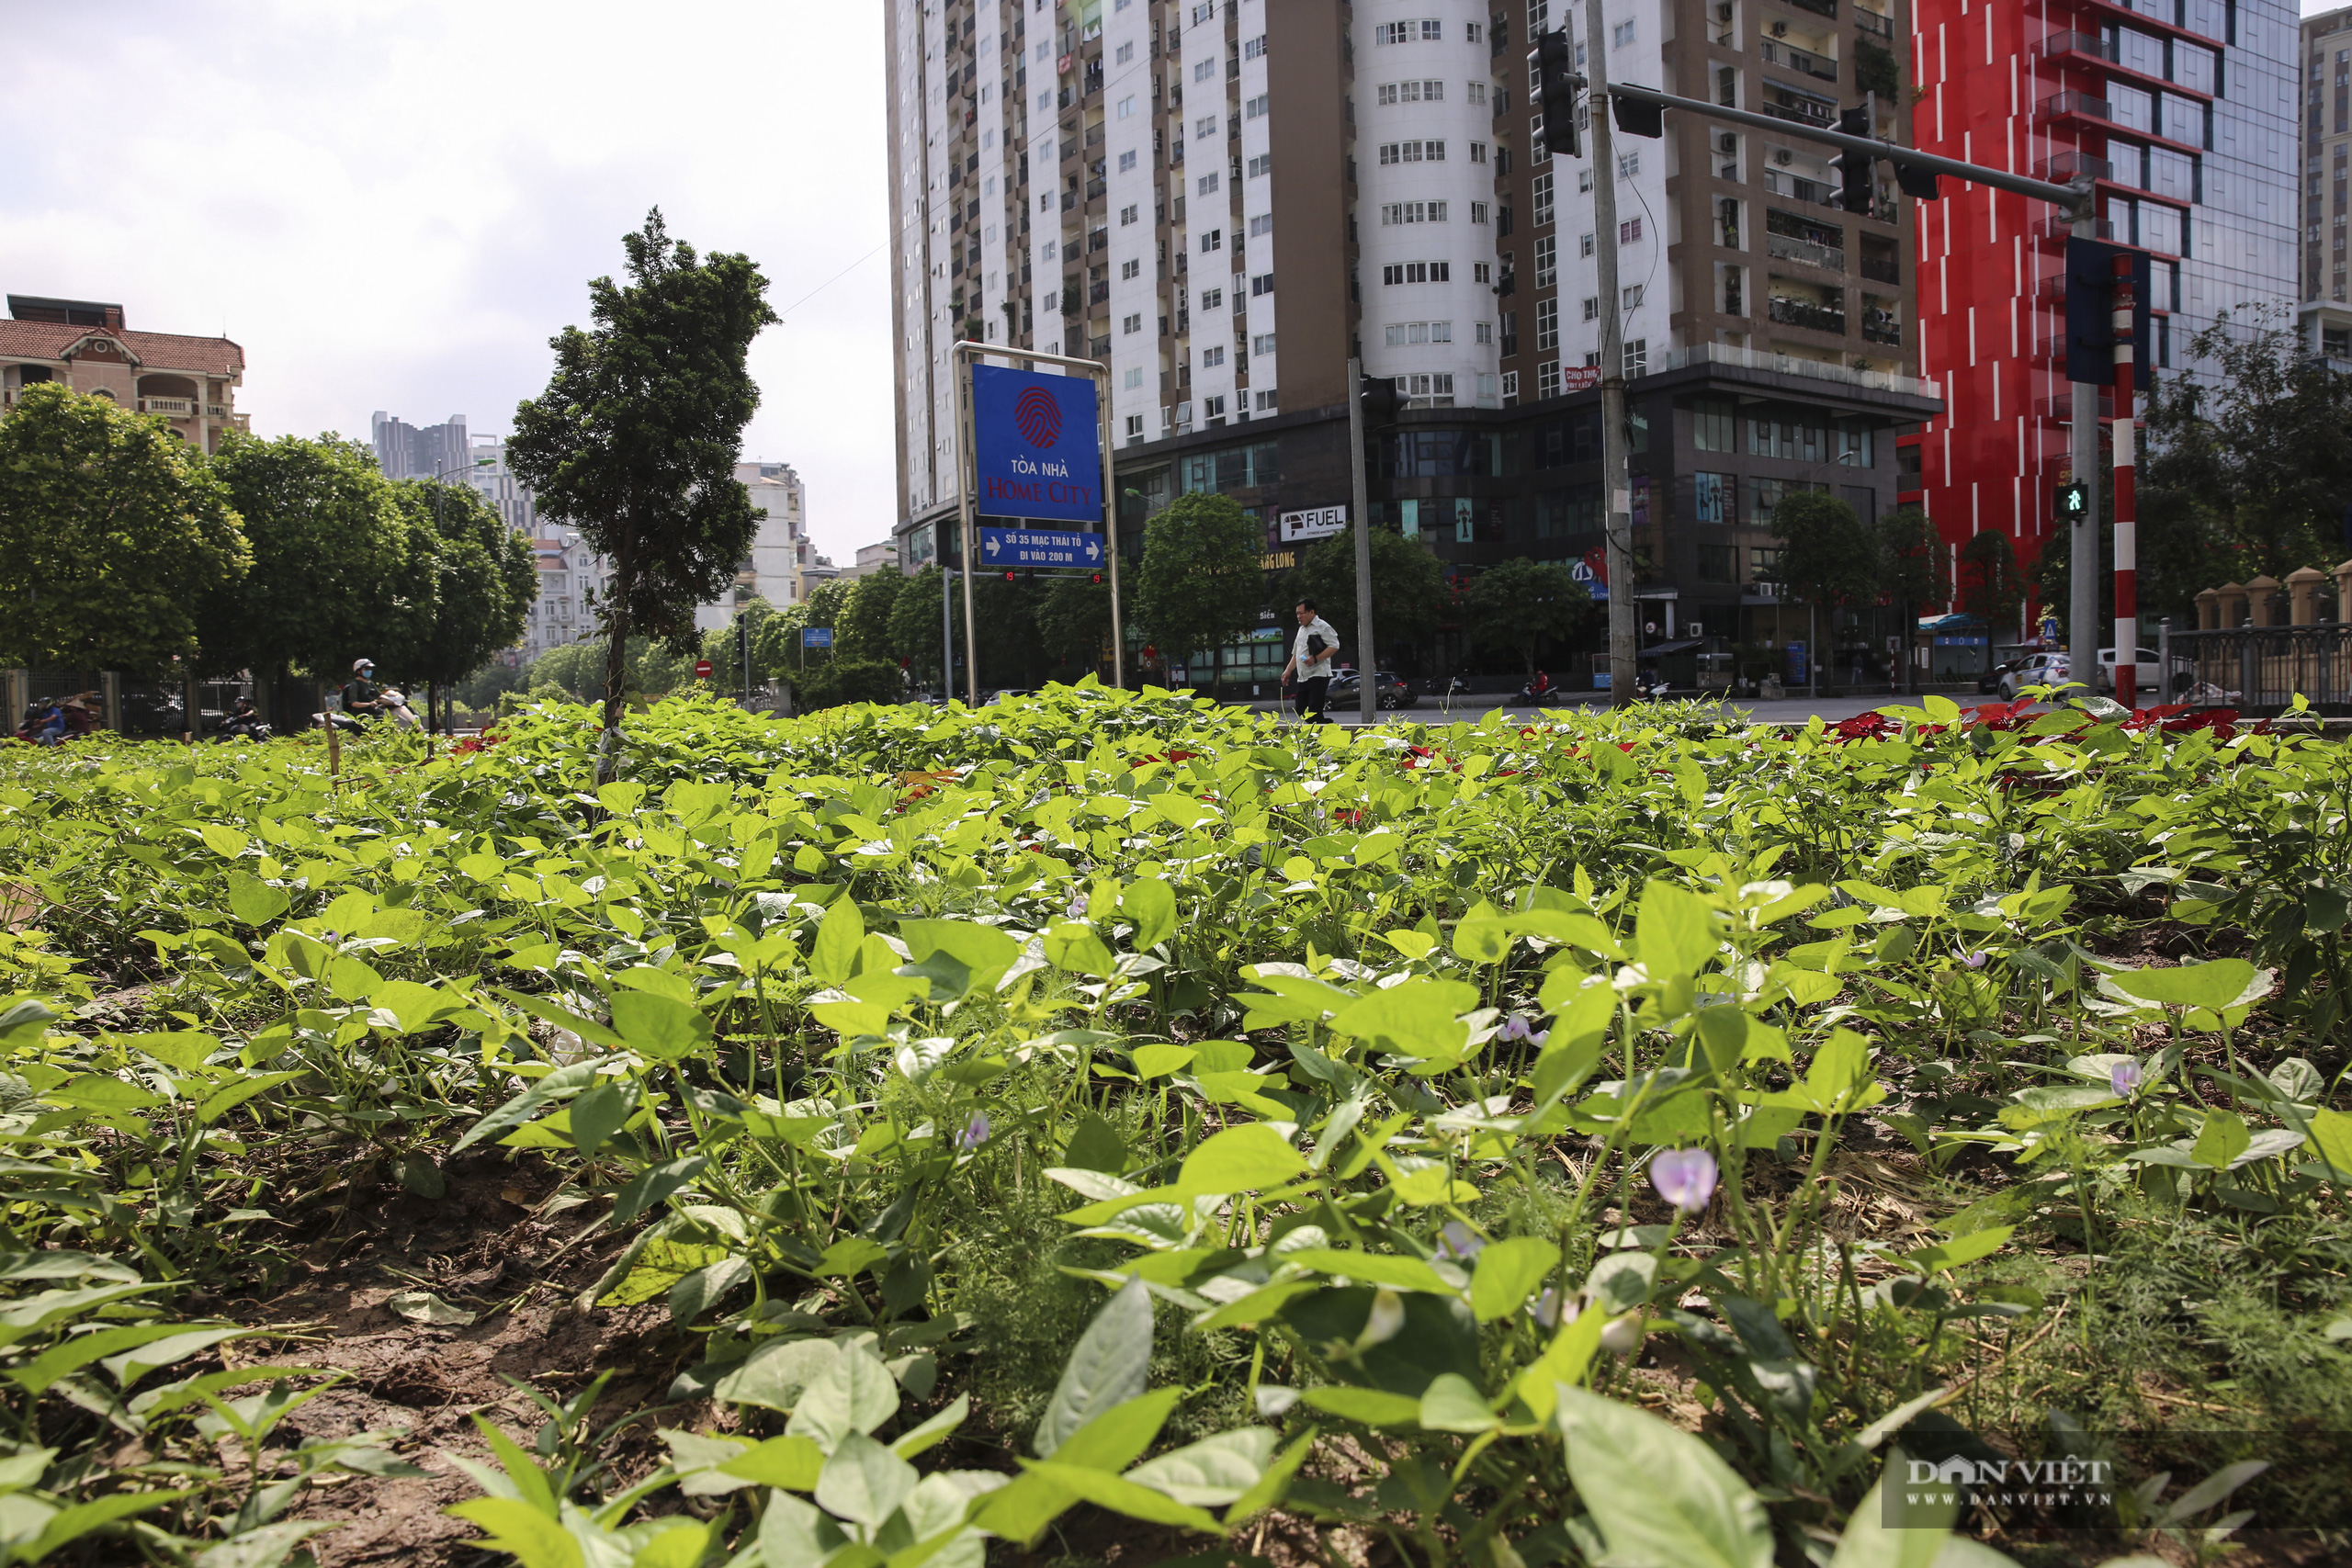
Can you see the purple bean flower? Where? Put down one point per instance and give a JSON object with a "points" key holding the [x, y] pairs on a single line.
{"points": [[1545, 1308], [1459, 1242], [2126, 1078], [1684, 1178], [1974, 960], [975, 1133]]}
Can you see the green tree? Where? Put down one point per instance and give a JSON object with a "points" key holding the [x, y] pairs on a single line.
{"points": [[1074, 626], [1201, 583], [862, 631], [486, 685], [1911, 571], [635, 442], [1519, 603], [1828, 556], [827, 601], [330, 554], [1409, 592], [648, 669], [111, 530], [1991, 584], [469, 590], [915, 625]]}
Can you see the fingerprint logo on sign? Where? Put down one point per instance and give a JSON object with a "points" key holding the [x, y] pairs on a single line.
{"points": [[1038, 416]]}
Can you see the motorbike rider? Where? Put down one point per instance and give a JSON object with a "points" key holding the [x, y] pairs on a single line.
{"points": [[362, 698], [244, 720]]}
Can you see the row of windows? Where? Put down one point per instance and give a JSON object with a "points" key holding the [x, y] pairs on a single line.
{"points": [[1396, 212], [1416, 272], [1426, 30]]}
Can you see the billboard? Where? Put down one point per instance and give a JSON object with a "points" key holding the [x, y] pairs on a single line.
{"points": [[1031, 546], [1315, 523], [1037, 450]]}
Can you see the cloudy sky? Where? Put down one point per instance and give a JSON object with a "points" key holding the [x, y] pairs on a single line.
{"points": [[394, 205]]}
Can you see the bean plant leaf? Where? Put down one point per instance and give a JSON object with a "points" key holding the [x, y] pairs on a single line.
{"points": [[253, 901], [1507, 1272], [1657, 1494], [1151, 904], [1105, 1370], [2214, 985], [1241, 1159]]}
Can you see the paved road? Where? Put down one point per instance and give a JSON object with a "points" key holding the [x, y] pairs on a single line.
{"points": [[1791, 710]]}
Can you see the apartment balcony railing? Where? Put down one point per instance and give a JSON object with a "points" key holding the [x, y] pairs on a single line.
{"points": [[1881, 328], [2054, 230], [1871, 22], [1809, 314], [1793, 365], [215, 410], [1803, 62], [1782, 248], [182, 407], [1880, 269], [1799, 112], [2077, 48], [1098, 293], [2063, 166], [2074, 105], [1100, 347], [1818, 7]]}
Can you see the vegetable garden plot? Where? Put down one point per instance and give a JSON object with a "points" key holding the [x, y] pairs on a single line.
{"points": [[1610, 1138]]}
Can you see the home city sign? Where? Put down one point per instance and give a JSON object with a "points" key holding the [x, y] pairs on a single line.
{"points": [[1315, 523]]}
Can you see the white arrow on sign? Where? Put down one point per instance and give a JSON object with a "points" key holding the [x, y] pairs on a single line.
{"points": [[1093, 550], [993, 543]]}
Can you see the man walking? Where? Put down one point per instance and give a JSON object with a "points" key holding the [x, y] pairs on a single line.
{"points": [[1310, 656]]}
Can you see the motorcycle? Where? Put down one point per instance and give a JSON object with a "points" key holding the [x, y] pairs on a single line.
{"points": [[1649, 686], [1529, 697], [242, 725]]}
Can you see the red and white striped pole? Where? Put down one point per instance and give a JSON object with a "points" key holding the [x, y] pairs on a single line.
{"points": [[2127, 559]]}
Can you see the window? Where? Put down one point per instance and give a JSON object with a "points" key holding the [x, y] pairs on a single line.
{"points": [[1135, 428], [1432, 390], [1267, 402], [1764, 559], [1478, 212], [1407, 32], [1413, 213], [1629, 231], [1212, 357], [1632, 297], [1584, 247], [1713, 498], [1262, 163], [1047, 255], [1130, 268], [1510, 383], [1547, 324], [1592, 308], [1213, 241], [1424, 91], [1542, 198], [1263, 223], [1126, 162], [1256, 107], [1621, 35], [1204, 70], [1547, 261], [1584, 180], [1212, 407], [1263, 344], [1473, 31], [1547, 378], [1126, 52], [1637, 357], [1477, 151], [1132, 324], [1713, 425], [1486, 333], [1264, 283], [1480, 272], [1629, 164], [1134, 377], [1127, 107], [1255, 49], [1126, 216], [1416, 272], [1204, 126], [1211, 299], [1412, 153], [1477, 92]]}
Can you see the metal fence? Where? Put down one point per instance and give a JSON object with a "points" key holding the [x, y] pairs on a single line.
{"points": [[2262, 669]]}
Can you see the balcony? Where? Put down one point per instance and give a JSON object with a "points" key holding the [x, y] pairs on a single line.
{"points": [[2077, 49], [1098, 294], [1807, 313], [2062, 167], [1818, 7], [1871, 22], [1790, 365], [1819, 193], [1800, 111], [1880, 326], [1881, 269], [178, 408], [2076, 105], [1780, 247], [215, 410], [1802, 61]]}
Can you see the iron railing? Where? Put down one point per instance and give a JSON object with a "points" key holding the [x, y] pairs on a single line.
{"points": [[2263, 668]]}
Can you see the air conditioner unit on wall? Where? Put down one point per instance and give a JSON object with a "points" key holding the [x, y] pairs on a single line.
{"points": [[1783, 155], [1693, 628], [1780, 29], [1728, 142]]}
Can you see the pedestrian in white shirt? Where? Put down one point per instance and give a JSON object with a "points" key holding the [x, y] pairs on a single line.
{"points": [[1310, 655]]}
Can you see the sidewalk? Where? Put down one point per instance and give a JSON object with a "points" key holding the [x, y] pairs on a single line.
{"points": [[1789, 710]]}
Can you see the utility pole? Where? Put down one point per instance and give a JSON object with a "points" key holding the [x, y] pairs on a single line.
{"points": [[1616, 482], [1367, 683], [2082, 558], [2127, 574]]}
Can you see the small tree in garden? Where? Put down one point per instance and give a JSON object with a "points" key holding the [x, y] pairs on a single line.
{"points": [[1828, 556], [635, 440], [1409, 594], [1201, 583], [469, 588], [1912, 572], [1992, 585], [1518, 604]]}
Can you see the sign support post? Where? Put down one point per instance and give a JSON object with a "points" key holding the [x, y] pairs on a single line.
{"points": [[1616, 483], [2127, 575], [967, 358], [1368, 682]]}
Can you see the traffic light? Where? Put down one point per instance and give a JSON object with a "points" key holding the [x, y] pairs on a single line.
{"points": [[2090, 311], [1096, 580], [1638, 119], [1379, 397], [1854, 168], [1010, 575], [1558, 86], [1915, 182], [2074, 503]]}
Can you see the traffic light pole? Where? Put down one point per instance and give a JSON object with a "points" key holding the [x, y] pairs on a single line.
{"points": [[1616, 483], [2082, 549], [1368, 683], [2127, 574]]}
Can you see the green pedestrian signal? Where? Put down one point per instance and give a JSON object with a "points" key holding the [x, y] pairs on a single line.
{"points": [[2074, 503]]}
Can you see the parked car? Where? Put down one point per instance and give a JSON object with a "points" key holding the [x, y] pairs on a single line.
{"points": [[2147, 679], [1392, 691], [2008, 656], [2034, 670]]}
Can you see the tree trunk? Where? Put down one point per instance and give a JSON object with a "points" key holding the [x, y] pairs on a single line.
{"points": [[608, 749], [433, 708]]}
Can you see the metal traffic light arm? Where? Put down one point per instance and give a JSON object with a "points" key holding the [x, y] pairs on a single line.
{"points": [[2074, 197]]}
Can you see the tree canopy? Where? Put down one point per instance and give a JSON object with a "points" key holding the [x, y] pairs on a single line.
{"points": [[111, 529], [467, 589], [634, 442], [1991, 584], [1519, 603], [1409, 592], [862, 628], [1827, 554], [1201, 581]]}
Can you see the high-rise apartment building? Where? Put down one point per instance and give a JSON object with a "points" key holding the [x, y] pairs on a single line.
{"points": [[2183, 111], [2325, 319], [771, 570], [509, 496], [1222, 201], [405, 451]]}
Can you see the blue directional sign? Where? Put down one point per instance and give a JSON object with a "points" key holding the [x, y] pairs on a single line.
{"points": [[1032, 547], [816, 636], [1037, 450]]}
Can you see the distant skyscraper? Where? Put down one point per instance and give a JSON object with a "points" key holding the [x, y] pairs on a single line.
{"points": [[405, 452], [490, 475]]}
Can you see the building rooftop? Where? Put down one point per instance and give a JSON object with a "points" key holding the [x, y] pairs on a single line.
{"points": [[36, 339]]}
